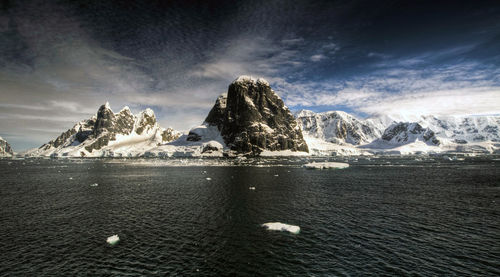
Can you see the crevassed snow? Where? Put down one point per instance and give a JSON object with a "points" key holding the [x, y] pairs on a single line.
{"points": [[278, 226], [326, 165]]}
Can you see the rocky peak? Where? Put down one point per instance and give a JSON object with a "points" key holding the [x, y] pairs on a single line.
{"points": [[145, 120], [105, 119], [405, 132], [253, 118], [5, 149]]}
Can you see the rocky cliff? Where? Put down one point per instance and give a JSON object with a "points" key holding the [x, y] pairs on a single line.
{"points": [[252, 118]]}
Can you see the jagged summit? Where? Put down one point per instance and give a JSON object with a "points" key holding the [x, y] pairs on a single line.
{"points": [[252, 118], [245, 79], [107, 132]]}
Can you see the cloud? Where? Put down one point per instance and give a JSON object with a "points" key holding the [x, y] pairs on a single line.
{"points": [[465, 101], [406, 86], [317, 57]]}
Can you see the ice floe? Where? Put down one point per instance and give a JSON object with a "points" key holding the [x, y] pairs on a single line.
{"points": [[326, 165], [278, 226], [114, 239]]}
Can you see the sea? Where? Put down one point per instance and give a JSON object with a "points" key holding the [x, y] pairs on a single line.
{"points": [[381, 216]]}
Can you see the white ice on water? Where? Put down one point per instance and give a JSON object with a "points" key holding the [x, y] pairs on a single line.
{"points": [[113, 239], [278, 226], [326, 165]]}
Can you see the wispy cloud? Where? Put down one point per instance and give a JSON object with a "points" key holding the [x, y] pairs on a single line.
{"points": [[317, 57]]}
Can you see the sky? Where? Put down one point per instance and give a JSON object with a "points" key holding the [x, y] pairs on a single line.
{"points": [[61, 60]]}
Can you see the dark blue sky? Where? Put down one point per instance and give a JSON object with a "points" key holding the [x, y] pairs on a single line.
{"points": [[61, 59]]}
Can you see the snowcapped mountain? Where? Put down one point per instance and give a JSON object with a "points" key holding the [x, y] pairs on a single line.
{"points": [[404, 132], [5, 149], [339, 133], [405, 138], [252, 118], [337, 127], [109, 134], [464, 130], [477, 134]]}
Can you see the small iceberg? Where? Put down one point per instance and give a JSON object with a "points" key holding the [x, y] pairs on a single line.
{"points": [[326, 165], [114, 239], [94, 185], [278, 226]]}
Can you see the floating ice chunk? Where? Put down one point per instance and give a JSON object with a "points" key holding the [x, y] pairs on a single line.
{"points": [[326, 165], [278, 226], [251, 188], [94, 185], [208, 178], [114, 239]]}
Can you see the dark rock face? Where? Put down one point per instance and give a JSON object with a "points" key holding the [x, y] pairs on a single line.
{"points": [[170, 134], [252, 118], [404, 132], [81, 131], [5, 149]]}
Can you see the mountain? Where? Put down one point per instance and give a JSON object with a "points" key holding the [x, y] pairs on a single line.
{"points": [[5, 149], [338, 133], [404, 132], [337, 127], [109, 134], [252, 118], [464, 129], [405, 138]]}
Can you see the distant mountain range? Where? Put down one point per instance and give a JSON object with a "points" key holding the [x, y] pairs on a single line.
{"points": [[428, 134], [251, 119]]}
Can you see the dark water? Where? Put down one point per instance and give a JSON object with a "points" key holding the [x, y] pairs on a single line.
{"points": [[381, 217]]}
